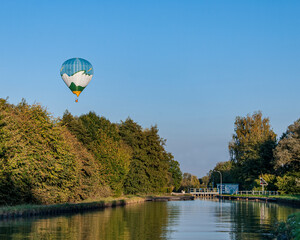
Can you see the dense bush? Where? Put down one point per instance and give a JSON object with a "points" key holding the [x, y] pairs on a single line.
{"points": [[290, 229], [271, 181], [289, 183]]}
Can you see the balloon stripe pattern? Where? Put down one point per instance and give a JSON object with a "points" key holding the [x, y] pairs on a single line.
{"points": [[76, 73]]}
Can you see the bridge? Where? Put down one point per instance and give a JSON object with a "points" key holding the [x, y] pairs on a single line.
{"points": [[204, 192]]}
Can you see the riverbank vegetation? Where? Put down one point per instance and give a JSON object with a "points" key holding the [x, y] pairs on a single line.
{"points": [[44, 160], [289, 229], [285, 196], [256, 152], [28, 210]]}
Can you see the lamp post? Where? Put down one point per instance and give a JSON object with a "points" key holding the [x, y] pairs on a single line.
{"points": [[220, 181]]}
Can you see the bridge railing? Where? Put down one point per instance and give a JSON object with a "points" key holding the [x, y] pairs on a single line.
{"points": [[207, 190], [256, 193]]}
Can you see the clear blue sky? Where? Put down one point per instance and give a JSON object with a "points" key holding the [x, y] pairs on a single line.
{"points": [[190, 67]]}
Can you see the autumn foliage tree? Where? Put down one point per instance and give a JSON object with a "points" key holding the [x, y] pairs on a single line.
{"points": [[40, 160]]}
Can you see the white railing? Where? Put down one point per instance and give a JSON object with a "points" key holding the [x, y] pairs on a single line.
{"points": [[256, 193], [208, 190]]}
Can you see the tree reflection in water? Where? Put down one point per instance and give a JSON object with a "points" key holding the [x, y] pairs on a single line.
{"points": [[199, 219], [139, 221], [253, 220]]}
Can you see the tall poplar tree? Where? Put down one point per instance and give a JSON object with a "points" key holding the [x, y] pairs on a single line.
{"points": [[251, 148]]}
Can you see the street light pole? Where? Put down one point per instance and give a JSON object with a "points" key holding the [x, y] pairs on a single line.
{"points": [[220, 181]]}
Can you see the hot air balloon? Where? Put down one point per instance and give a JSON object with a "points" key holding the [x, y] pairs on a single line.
{"points": [[76, 73]]}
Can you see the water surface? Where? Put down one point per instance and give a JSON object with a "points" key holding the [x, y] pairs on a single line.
{"points": [[199, 219]]}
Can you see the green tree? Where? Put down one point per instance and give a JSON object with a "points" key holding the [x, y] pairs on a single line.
{"points": [[189, 181], [289, 183], [287, 160], [287, 152], [101, 137], [186, 181], [39, 160], [195, 182], [76, 127], [175, 173], [271, 181], [228, 171], [251, 148], [204, 181], [150, 162]]}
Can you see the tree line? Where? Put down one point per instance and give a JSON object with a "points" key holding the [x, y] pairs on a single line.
{"points": [[256, 152], [73, 158]]}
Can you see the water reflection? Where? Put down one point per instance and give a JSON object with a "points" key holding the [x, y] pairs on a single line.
{"points": [[232, 220], [200, 219], [140, 221], [254, 220]]}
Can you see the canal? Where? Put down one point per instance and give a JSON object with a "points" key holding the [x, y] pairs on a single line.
{"points": [[199, 219]]}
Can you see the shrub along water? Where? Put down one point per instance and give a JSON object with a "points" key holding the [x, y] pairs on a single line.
{"points": [[290, 229]]}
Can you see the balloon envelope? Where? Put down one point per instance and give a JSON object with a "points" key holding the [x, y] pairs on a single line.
{"points": [[76, 73]]}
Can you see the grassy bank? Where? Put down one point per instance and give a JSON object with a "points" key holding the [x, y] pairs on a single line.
{"points": [[288, 199], [39, 210]]}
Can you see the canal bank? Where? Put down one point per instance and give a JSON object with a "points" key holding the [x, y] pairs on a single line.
{"points": [[291, 201], [17, 211], [56, 209]]}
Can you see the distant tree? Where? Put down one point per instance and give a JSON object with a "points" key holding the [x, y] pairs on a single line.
{"points": [[195, 182], [204, 181], [175, 173], [186, 181], [189, 181], [251, 148], [228, 171]]}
